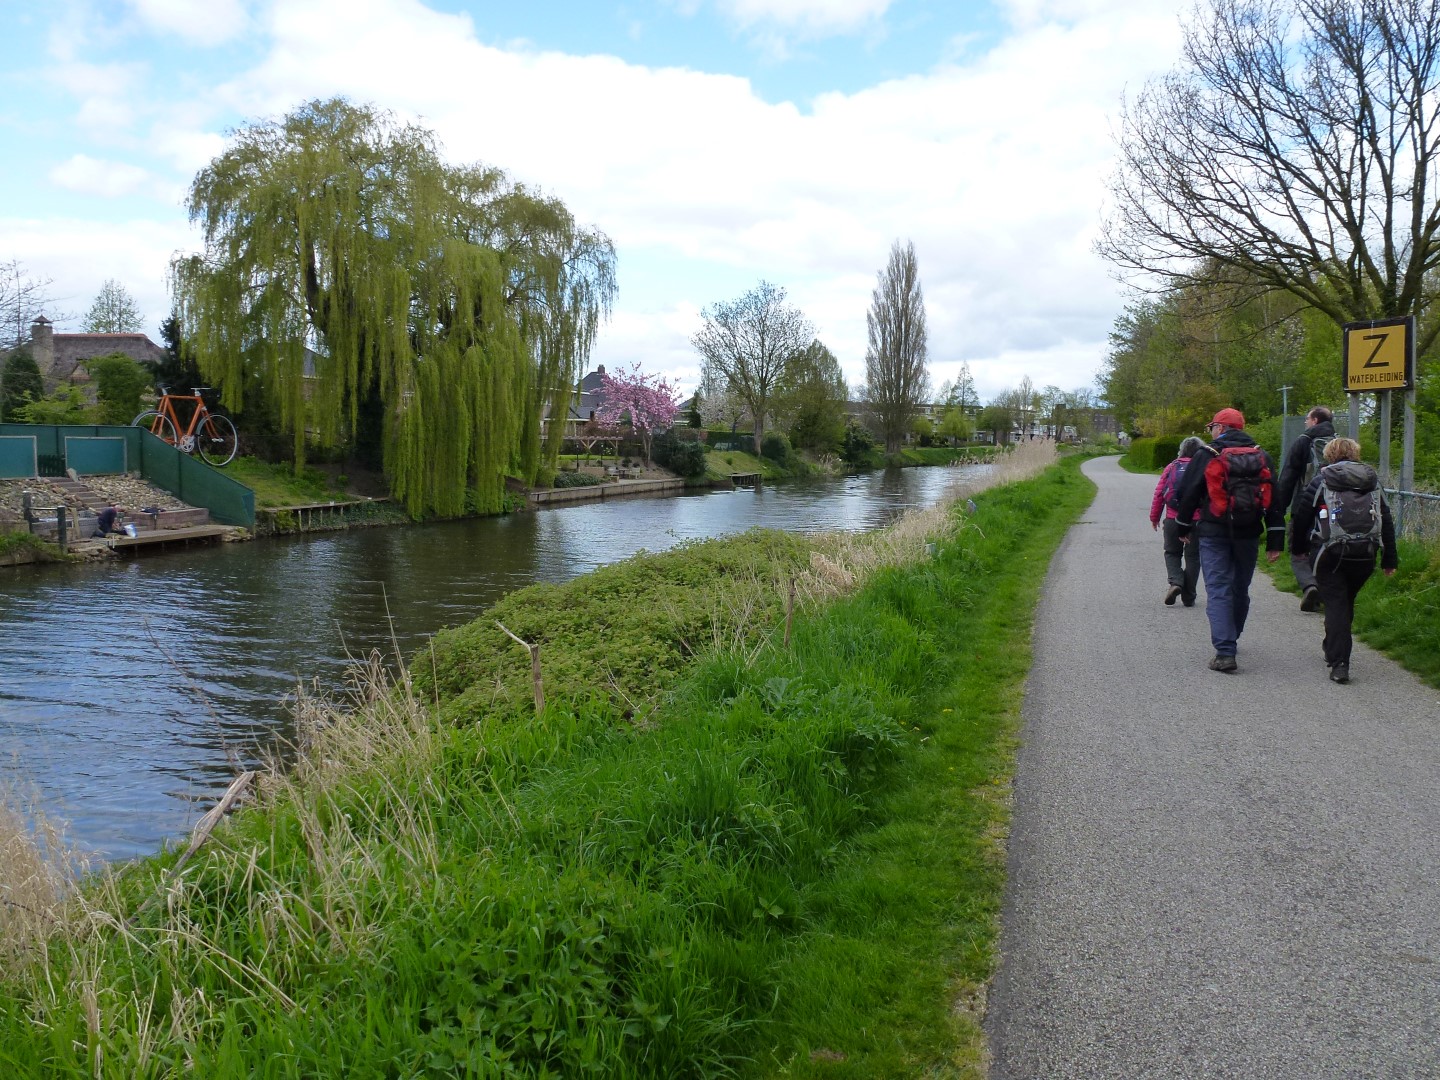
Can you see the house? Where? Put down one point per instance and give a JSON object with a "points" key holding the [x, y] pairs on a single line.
{"points": [[582, 408], [62, 358]]}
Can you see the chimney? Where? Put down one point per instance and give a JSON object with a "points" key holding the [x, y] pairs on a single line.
{"points": [[42, 348]]}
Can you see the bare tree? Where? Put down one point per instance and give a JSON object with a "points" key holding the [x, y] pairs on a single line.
{"points": [[895, 369], [22, 298], [748, 343], [1294, 147], [113, 312]]}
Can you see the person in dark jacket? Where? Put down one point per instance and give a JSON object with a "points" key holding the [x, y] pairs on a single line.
{"points": [[1294, 475], [1340, 573], [1228, 552], [1182, 561], [106, 522]]}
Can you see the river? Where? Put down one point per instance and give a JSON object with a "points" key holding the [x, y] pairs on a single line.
{"points": [[130, 691]]}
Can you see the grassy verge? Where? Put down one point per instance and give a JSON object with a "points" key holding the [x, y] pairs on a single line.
{"points": [[17, 544], [714, 852], [1399, 615], [941, 455], [1131, 466], [280, 485]]}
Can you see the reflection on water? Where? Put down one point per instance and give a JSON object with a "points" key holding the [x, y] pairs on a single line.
{"points": [[129, 692]]}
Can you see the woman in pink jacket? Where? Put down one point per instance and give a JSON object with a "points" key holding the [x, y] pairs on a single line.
{"points": [[1182, 561]]}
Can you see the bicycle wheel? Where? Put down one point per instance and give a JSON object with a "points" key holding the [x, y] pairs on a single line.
{"points": [[216, 440], [158, 424]]}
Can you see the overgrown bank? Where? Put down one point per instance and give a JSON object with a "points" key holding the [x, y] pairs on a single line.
{"points": [[785, 863]]}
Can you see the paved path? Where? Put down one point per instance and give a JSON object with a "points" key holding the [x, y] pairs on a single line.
{"points": [[1212, 875]]}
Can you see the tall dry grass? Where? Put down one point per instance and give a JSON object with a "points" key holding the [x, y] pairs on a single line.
{"points": [[843, 562]]}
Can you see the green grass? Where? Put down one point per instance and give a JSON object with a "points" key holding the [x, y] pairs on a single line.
{"points": [[16, 541], [940, 455], [787, 863], [280, 485], [1399, 615]]}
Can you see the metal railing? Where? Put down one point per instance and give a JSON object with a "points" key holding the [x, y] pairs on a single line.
{"points": [[1416, 514]]}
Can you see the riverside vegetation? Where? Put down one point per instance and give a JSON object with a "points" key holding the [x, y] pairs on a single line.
{"points": [[731, 842]]}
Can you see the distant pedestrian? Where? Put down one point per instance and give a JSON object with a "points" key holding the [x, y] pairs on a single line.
{"points": [[1182, 561], [1340, 524], [1231, 484], [1302, 461]]}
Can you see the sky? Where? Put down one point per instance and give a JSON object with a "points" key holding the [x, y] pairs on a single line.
{"points": [[718, 143]]}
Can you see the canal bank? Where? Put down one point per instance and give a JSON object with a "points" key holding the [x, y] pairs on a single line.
{"points": [[785, 864], [213, 641]]}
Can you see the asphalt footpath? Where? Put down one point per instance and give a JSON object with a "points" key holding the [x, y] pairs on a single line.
{"points": [[1212, 875]]}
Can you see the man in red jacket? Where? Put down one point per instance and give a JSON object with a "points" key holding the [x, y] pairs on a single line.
{"points": [[1231, 483]]}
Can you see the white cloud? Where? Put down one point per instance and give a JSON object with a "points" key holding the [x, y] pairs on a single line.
{"points": [[108, 179], [813, 17], [80, 254], [993, 164], [200, 22]]}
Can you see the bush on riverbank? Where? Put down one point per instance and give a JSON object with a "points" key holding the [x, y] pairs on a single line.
{"points": [[789, 864], [19, 546]]}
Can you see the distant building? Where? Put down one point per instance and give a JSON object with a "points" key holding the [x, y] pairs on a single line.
{"points": [[581, 410], [62, 358]]}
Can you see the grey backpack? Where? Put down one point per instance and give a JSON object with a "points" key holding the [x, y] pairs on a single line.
{"points": [[1348, 520]]}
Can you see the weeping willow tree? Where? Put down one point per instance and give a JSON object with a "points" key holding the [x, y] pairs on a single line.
{"points": [[343, 260]]}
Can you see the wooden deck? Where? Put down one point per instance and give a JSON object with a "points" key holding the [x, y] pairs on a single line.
{"points": [[152, 540]]}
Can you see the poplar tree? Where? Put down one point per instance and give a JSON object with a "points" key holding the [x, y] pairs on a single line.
{"points": [[343, 259], [896, 373]]}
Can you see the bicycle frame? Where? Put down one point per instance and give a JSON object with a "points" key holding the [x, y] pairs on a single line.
{"points": [[211, 434]]}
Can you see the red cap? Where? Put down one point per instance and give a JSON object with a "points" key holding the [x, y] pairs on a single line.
{"points": [[1232, 418]]}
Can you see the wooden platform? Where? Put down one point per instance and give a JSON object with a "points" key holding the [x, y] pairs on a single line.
{"points": [[157, 539]]}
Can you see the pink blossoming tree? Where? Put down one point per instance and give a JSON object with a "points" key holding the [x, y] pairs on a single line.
{"points": [[646, 402]]}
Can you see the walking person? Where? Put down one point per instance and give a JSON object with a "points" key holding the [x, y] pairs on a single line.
{"points": [[1341, 522], [1230, 483], [1302, 462], [1182, 561]]}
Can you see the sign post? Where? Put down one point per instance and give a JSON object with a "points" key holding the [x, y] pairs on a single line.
{"points": [[1379, 355]]}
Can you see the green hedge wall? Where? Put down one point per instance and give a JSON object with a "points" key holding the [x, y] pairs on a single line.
{"points": [[1154, 453]]}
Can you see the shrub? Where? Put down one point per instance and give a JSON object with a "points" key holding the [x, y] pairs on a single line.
{"points": [[776, 447], [680, 454], [574, 480], [1154, 453]]}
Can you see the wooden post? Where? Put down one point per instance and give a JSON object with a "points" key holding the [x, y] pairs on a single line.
{"points": [[534, 651], [789, 611]]}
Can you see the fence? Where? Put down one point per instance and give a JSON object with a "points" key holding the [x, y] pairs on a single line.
{"points": [[1416, 513], [48, 449]]}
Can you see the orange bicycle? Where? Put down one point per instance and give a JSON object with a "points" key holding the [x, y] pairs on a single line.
{"points": [[210, 434]]}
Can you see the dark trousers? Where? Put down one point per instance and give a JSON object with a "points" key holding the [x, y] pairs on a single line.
{"points": [[1339, 581], [1228, 565], [1182, 561]]}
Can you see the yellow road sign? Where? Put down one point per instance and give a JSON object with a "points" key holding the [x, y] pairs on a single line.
{"points": [[1379, 355]]}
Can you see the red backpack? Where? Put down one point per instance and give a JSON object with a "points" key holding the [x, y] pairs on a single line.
{"points": [[1239, 484]]}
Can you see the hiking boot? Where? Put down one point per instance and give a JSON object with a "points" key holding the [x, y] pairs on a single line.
{"points": [[1226, 664], [1311, 600], [1340, 673], [1170, 595]]}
